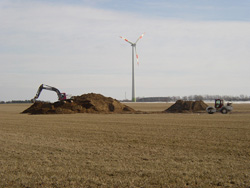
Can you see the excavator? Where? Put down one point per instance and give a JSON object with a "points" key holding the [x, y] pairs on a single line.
{"points": [[61, 96]]}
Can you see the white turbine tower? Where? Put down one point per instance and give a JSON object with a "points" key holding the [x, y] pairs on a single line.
{"points": [[133, 72]]}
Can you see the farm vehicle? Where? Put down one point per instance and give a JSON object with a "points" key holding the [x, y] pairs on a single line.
{"points": [[219, 106]]}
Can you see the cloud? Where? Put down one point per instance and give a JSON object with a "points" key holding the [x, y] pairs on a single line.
{"points": [[77, 48]]}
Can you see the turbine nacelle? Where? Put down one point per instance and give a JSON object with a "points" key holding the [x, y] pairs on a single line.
{"points": [[134, 45]]}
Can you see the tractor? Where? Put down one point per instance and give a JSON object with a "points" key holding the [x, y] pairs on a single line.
{"points": [[220, 107]]}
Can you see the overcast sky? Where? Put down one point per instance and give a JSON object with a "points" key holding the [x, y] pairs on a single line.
{"points": [[189, 47]]}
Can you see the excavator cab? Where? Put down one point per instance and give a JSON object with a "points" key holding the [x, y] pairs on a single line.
{"points": [[63, 96]]}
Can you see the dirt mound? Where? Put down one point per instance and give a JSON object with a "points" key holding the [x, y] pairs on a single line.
{"points": [[187, 106], [87, 103]]}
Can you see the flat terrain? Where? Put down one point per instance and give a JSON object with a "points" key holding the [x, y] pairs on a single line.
{"points": [[125, 150]]}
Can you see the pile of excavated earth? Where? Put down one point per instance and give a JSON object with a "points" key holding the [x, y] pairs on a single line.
{"points": [[97, 103], [187, 106], [86, 103]]}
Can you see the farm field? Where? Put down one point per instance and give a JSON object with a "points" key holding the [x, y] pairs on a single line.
{"points": [[125, 150]]}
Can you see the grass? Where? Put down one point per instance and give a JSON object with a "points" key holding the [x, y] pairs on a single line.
{"points": [[125, 150]]}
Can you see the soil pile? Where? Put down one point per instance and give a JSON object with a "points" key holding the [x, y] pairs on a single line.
{"points": [[87, 103], [187, 106]]}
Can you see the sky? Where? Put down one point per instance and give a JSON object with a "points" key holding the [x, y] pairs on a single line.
{"points": [[190, 47]]}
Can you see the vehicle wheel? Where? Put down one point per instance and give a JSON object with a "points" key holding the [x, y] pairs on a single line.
{"points": [[210, 110], [224, 111]]}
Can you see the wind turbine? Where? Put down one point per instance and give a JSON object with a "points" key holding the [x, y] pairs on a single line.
{"points": [[133, 72]]}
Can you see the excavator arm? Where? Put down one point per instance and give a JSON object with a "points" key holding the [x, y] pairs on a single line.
{"points": [[61, 96]]}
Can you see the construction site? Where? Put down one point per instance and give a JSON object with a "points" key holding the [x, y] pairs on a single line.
{"points": [[97, 103]]}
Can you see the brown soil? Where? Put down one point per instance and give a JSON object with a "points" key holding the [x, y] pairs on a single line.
{"points": [[87, 103], [187, 106]]}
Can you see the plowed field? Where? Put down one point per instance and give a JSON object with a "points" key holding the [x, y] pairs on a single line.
{"points": [[125, 150]]}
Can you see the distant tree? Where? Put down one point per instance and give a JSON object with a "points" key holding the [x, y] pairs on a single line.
{"points": [[185, 98], [198, 98], [19, 101]]}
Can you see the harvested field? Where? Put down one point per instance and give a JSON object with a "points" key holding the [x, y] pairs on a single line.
{"points": [[125, 150]]}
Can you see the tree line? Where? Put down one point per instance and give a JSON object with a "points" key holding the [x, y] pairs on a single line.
{"points": [[194, 98], [15, 101], [168, 99]]}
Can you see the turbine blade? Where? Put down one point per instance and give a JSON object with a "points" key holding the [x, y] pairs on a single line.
{"points": [[126, 40], [137, 57], [140, 37]]}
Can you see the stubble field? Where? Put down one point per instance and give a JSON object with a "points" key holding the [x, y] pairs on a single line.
{"points": [[125, 150]]}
